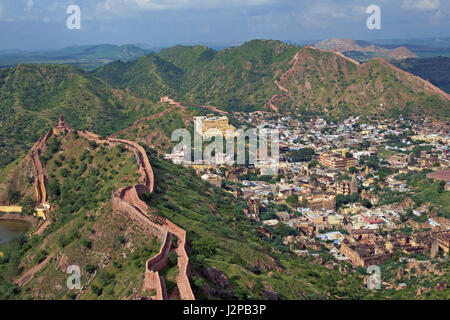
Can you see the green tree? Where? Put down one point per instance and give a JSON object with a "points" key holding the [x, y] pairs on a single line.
{"points": [[28, 205], [14, 196], [305, 154], [292, 200], [441, 186]]}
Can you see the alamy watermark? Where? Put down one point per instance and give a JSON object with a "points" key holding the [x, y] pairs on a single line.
{"points": [[374, 20], [74, 20], [74, 280], [374, 281]]}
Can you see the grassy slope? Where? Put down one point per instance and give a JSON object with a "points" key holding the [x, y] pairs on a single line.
{"points": [[33, 96], [242, 78], [324, 80], [84, 231], [434, 69], [149, 76], [157, 133]]}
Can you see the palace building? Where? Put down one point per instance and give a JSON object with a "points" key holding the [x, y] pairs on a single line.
{"points": [[336, 161], [346, 187], [203, 124]]}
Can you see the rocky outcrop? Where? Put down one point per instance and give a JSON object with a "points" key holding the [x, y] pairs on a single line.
{"points": [[217, 277]]}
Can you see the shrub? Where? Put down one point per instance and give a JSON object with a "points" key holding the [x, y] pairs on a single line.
{"points": [[13, 195], [64, 172], [96, 290], [173, 258], [441, 187], [105, 278], [89, 268], [204, 246], [86, 243], [40, 256], [146, 197], [292, 200], [28, 205]]}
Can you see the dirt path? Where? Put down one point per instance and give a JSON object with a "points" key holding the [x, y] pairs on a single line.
{"points": [[271, 103], [138, 122]]}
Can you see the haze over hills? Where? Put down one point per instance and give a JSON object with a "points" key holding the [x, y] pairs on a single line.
{"points": [[87, 57], [365, 48]]}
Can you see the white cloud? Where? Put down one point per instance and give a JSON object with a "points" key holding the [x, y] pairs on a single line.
{"points": [[29, 5], [422, 5], [158, 5]]}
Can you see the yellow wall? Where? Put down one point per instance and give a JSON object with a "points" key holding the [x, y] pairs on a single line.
{"points": [[10, 209]]}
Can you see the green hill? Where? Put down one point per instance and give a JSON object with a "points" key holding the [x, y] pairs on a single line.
{"points": [[188, 58], [33, 96], [149, 76], [323, 81], [436, 70], [242, 78]]}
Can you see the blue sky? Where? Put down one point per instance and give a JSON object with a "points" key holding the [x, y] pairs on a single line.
{"points": [[38, 24]]}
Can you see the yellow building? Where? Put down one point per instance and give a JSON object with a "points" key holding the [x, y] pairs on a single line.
{"points": [[351, 210], [203, 124], [41, 210], [336, 161], [368, 182]]}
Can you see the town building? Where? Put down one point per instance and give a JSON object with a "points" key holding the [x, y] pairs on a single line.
{"points": [[336, 161]]}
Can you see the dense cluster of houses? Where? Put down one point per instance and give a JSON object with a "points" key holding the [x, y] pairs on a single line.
{"points": [[318, 191]]}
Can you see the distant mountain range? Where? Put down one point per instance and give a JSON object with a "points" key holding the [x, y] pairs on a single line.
{"points": [[432, 65], [86, 57], [264, 74], [363, 49]]}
